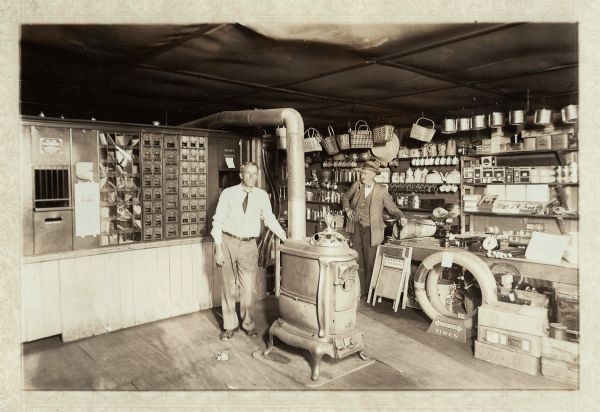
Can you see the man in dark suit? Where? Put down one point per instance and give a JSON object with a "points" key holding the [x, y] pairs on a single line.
{"points": [[364, 203]]}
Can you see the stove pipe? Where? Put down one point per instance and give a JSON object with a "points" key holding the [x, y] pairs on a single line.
{"points": [[295, 165]]}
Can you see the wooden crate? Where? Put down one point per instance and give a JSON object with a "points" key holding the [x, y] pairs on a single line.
{"points": [[516, 318], [560, 360], [508, 358], [520, 342]]}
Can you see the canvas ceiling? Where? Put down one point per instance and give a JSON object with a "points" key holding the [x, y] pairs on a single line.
{"points": [[331, 74]]}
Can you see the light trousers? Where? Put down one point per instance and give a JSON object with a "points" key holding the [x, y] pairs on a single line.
{"points": [[239, 272]]}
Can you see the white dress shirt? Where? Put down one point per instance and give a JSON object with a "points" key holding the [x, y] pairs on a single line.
{"points": [[230, 217], [368, 189]]}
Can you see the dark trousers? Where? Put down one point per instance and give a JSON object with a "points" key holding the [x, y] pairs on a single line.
{"points": [[361, 242]]}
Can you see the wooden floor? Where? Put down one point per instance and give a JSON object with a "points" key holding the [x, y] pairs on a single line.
{"points": [[180, 354]]}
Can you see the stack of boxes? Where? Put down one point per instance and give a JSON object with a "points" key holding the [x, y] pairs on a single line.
{"points": [[511, 335]]}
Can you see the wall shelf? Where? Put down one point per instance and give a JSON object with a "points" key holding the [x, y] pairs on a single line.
{"points": [[481, 213]]}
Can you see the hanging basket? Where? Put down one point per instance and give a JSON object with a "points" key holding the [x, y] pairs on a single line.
{"points": [[422, 133], [312, 139], [361, 137], [330, 143], [383, 134]]}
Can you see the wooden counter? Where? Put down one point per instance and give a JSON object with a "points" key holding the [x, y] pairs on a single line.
{"points": [[564, 273]]}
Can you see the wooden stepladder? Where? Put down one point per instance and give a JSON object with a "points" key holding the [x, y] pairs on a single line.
{"points": [[391, 274]]}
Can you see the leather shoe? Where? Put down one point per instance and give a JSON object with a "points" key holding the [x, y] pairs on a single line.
{"points": [[227, 334], [251, 333]]}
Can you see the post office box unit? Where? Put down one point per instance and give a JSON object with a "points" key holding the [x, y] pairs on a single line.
{"points": [[171, 202], [146, 139], [193, 217], [194, 230], [156, 154], [157, 206], [201, 217], [201, 142], [171, 187], [157, 140], [193, 155], [158, 233], [193, 192], [148, 220], [202, 192], [147, 153], [194, 205], [185, 205], [170, 141], [157, 193], [193, 142], [185, 180], [201, 167], [184, 141], [185, 154], [148, 167], [157, 219], [201, 179], [147, 194], [185, 218], [171, 171], [148, 233], [185, 192], [201, 205], [202, 228], [147, 181], [193, 180], [156, 180], [170, 157], [157, 168], [172, 215], [171, 231], [185, 230], [185, 167], [193, 167], [201, 155], [147, 206]]}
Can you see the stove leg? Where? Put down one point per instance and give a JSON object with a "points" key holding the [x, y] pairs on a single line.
{"points": [[269, 345], [316, 369]]}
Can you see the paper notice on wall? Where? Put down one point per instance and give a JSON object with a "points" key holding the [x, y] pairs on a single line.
{"points": [[230, 162], [87, 209]]}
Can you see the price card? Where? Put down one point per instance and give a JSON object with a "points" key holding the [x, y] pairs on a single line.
{"points": [[447, 258]]}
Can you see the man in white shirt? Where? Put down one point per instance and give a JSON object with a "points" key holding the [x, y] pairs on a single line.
{"points": [[236, 225]]}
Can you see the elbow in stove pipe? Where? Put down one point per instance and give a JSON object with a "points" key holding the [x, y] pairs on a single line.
{"points": [[295, 165]]}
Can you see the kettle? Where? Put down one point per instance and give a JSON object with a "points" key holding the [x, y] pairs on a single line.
{"points": [[434, 177], [452, 177]]}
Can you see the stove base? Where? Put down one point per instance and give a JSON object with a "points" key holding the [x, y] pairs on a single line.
{"points": [[335, 346]]}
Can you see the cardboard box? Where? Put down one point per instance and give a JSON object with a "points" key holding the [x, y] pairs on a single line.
{"points": [[560, 371], [543, 142], [507, 357], [559, 141], [515, 318], [520, 342], [562, 350]]}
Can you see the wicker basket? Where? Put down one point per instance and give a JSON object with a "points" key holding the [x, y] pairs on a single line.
{"points": [[343, 141], [383, 134], [312, 139], [361, 137], [329, 142], [422, 133]]}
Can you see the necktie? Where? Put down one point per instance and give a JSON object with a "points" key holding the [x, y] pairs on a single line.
{"points": [[245, 202]]}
